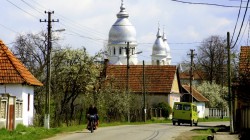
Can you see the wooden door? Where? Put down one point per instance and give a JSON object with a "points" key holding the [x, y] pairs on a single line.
{"points": [[11, 117]]}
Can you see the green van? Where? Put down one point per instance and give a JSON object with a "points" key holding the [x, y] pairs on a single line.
{"points": [[184, 112]]}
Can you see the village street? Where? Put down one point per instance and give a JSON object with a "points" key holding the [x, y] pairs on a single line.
{"points": [[135, 132]]}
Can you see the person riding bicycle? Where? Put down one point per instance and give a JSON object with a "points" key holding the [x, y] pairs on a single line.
{"points": [[92, 111]]}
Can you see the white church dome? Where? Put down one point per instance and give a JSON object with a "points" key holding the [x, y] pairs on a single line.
{"points": [[166, 45], [159, 46], [122, 30]]}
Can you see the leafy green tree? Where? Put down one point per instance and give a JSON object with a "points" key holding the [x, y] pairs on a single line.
{"points": [[216, 94], [74, 74]]}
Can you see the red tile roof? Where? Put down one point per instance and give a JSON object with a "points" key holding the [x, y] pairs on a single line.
{"points": [[244, 58], [196, 94], [158, 79], [12, 70], [197, 75]]}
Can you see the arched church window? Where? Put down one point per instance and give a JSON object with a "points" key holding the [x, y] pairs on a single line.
{"points": [[157, 62], [114, 50]]}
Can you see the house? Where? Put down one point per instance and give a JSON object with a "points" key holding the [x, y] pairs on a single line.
{"points": [[198, 99], [161, 81], [240, 91], [198, 77], [16, 89]]}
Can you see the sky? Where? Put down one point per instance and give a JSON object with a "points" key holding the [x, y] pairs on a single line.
{"points": [[87, 22]]}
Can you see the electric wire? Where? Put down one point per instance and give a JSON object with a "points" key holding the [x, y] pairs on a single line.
{"points": [[209, 4], [241, 25], [244, 31], [21, 9], [236, 21], [31, 6], [8, 28]]}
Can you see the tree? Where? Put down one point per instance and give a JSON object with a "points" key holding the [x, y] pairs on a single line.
{"points": [[31, 50], [216, 94], [74, 75], [211, 58]]}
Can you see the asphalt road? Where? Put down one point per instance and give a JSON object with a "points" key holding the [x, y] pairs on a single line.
{"points": [[135, 132]]}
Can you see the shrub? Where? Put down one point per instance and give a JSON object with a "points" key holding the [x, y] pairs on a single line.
{"points": [[166, 109]]}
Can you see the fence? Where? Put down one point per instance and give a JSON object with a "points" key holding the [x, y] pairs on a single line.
{"points": [[216, 112], [245, 118], [137, 114]]}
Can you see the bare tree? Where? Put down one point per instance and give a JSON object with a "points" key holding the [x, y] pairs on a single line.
{"points": [[211, 58]]}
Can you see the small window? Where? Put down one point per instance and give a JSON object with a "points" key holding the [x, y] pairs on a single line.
{"points": [[120, 50], [28, 102], [3, 109], [114, 50]]}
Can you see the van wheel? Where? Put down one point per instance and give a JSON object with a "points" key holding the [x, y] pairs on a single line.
{"points": [[179, 123], [191, 123], [174, 122]]}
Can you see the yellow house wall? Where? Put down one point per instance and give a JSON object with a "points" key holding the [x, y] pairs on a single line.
{"points": [[175, 86]]}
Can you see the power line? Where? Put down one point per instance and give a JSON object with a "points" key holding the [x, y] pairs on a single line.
{"points": [[210, 4], [236, 21], [8, 28], [21, 9], [31, 6], [241, 26]]}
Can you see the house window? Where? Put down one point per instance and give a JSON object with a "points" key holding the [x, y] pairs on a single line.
{"points": [[120, 50], [114, 50], [28, 102], [3, 109], [19, 107]]}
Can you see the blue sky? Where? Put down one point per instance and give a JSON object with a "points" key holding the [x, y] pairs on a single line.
{"points": [[87, 22]]}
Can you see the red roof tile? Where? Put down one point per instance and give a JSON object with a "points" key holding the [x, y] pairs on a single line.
{"points": [[197, 75], [196, 94], [158, 79], [12, 70]]}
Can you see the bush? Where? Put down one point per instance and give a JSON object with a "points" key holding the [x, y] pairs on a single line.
{"points": [[166, 109]]}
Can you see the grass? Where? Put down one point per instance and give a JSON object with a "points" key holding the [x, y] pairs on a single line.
{"points": [[38, 133], [202, 134]]}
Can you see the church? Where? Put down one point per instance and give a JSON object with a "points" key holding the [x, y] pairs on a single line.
{"points": [[122, 41], [162, 83]]}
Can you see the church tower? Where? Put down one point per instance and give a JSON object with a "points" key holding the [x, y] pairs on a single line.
{"points": [[121, 32], [159, 54], [168, 59]]}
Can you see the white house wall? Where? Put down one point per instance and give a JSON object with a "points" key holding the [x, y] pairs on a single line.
{"points": [[200, 109], [21, 92]]}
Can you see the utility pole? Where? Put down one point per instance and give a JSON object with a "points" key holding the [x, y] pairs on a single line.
{"points": [[229, 84], [48, 79], [127, 86], [191, 73], [144, 94]]}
